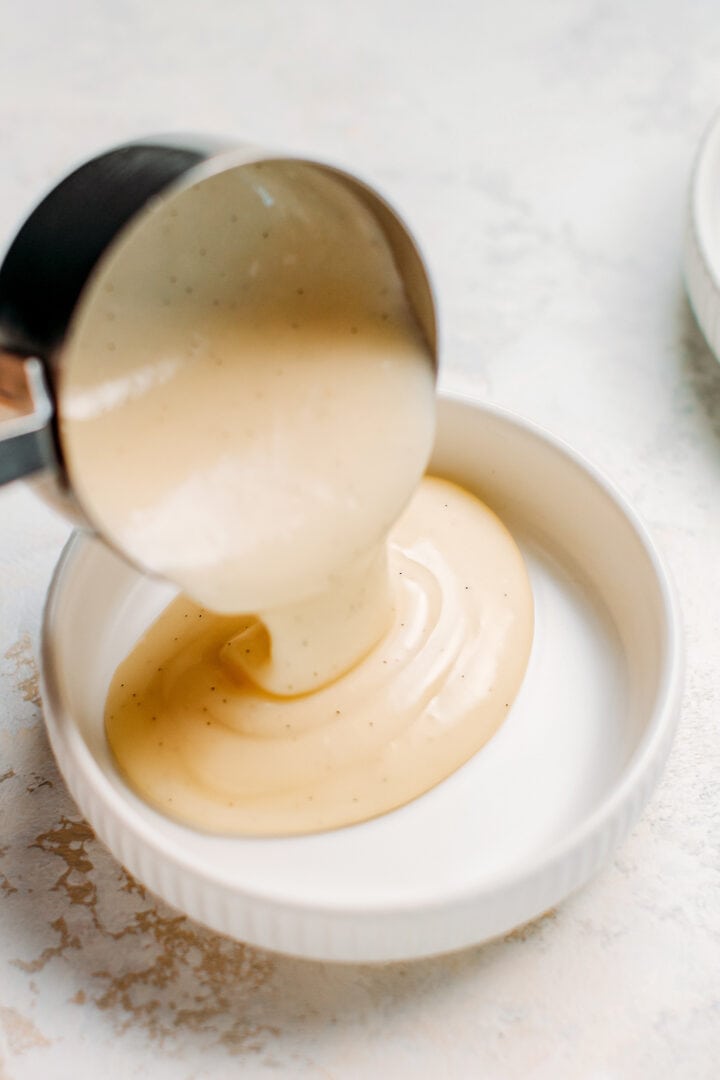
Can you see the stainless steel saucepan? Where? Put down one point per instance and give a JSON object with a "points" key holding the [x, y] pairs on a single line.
{"points": [[50, 269]]}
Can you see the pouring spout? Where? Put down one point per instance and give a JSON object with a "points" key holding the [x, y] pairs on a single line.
{"points": [[27, 442]]}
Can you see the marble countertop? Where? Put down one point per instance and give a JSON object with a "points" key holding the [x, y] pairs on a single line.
{"points": [[541, 151]]}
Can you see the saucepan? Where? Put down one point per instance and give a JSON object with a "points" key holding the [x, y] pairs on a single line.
{"points": [[49, 278]]}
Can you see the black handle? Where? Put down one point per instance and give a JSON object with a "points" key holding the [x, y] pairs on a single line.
{"points": [[56, 249]]}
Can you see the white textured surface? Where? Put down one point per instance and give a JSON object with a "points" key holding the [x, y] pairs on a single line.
{"points": [[542, 151]]}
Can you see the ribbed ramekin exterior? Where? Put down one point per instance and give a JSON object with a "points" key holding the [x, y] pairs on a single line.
{"points": [[359, 935]]}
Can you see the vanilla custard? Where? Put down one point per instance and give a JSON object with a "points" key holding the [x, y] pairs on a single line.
{"points": [[199, 740], [247, 407], [248, 404]]}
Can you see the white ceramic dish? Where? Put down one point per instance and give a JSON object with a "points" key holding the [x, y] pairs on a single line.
{"points": [[702, 238], [529, 819]]}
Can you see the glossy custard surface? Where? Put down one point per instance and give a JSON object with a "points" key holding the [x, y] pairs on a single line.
{"points": [[198, 739]]}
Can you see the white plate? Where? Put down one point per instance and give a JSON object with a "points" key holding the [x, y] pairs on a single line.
{"points": [[527, 820], [701, 263]]}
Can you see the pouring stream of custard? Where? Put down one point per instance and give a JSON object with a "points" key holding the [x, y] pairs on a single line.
{"points": [[246, 409]]}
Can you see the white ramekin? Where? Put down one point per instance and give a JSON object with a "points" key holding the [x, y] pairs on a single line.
{"points": [[525, 822]]}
